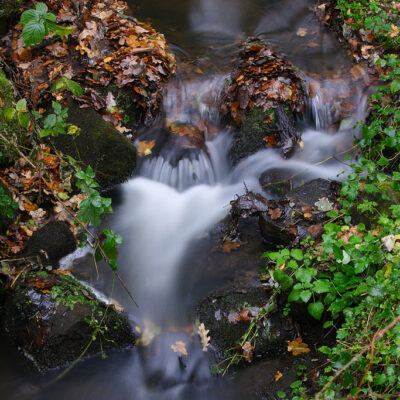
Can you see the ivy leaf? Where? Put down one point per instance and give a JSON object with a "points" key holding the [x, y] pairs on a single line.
{"points": [[322, 286], [316, 309], [395, 86]]}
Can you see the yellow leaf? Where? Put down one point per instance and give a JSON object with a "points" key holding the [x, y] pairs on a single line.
{"points": [[179, 347], [297, 347], [301, 32], [394, 32], [278, 376], [248, 351]]}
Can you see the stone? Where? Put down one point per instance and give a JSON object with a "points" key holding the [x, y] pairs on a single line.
{"points": [[111, 155]]}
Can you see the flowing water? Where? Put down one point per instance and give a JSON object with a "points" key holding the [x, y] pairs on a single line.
{"points": [[165, 212]]}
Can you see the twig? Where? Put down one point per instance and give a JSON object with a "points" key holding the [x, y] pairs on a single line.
{"points": [[377, 336]]}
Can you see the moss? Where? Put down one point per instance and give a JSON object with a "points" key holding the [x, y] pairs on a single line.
{"points": [[9, 7], [250, 138], [111, 155], [11, 130]]}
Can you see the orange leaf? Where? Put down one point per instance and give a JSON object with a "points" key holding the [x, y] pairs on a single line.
{"points": [[179, 347], [145, 147], [278, 376], [297, 347], [275, 213], [229, 246], [248, 351]]}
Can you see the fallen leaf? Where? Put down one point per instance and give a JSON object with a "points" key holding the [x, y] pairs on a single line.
{"points": [[244, 315], [203, 333], [275, 213], [297, 347], [301, 32], [278, 376], [315, 229], [324, 204], [394, 32], [230, 246], [145, 147], [248, 351], [179, 347]]}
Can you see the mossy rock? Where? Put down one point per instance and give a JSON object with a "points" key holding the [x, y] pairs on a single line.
{"points": [[12, 130], [111, 155], [52, 319], [8, 10]]}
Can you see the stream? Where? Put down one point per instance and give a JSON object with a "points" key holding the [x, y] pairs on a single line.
{"points": [[166, 212]]}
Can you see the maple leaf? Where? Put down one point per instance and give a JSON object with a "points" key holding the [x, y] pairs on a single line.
{"points": [[275, 213], [297, 347], [179, 347], [145, 147], [248, 351], [203, 333]]}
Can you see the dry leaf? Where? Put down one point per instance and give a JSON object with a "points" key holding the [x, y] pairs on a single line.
{"points": [[244, 315], [275, 213], [229, 246], [301, 32], [248, 351], [297, 347], [179, 347], [394, 32], [203, 333], [145, 147], [278, 376], [315, 229]]}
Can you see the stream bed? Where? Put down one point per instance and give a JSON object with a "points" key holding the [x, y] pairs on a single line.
{"points": [[168, 212]]}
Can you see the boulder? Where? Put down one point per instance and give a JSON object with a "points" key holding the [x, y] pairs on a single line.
{"points": [[227, 315], [53, 318], [50, 243], [111, 155]]}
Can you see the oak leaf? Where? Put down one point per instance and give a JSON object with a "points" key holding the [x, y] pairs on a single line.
{"points": [[145, 147], [204, 337], [179, 347], [275, 213]]}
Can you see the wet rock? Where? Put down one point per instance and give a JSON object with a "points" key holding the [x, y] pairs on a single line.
{"points": [[222, 313], [262, 99], [51, 243], [8, 10], [300, 213], [111, 155], [5, 220], [52, 319]]}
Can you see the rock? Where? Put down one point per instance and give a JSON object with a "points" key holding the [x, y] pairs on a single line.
{"points": [[262, 99], [52, 318], [51, 243], [220, 313], [11, 129], [5, 221], [299, 216], [111, 155]]}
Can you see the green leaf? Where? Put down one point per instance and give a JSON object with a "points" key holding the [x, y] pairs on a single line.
{"points": [[21, 106], [305, 295], [322, 286], [305, 274], [9, 114], [24, 119], [50, 17], [41, 8], [316, 309], [67, 84], [29, 16], [50, 121], [284, 280], [33, 33], [297, 254], [395, 86], [294, 295]]}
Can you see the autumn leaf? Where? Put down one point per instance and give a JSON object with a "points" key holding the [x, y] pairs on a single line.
{"points": [[248, 351], [179, 347], [297, 347], [394, 32], [301, 32], [278, 376], [204, 337], [145, 147], [271, 140], [324, 204], [275, 213], [315, 229], [230, 246], [244, 315]]}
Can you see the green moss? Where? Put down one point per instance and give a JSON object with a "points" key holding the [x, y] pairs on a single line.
{"points": [[11, 130]]}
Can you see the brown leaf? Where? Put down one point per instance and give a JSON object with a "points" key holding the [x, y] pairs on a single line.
{"points": [[244, 315], [297, 347], [275, 213], [230, 246], [315, 229], [248, 351]]}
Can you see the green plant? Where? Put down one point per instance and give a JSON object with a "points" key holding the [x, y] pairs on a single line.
{"points": [[21, 110], [7, 204], [38, 23]]}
